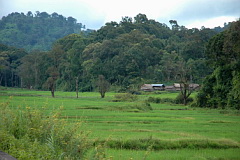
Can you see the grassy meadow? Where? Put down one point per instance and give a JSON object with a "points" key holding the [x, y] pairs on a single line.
{"points": [[134, 129]]}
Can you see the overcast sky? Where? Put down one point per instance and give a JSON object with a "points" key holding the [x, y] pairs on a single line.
{"points": [[95, 13]]}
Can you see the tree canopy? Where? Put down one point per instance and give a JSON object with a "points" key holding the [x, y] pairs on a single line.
{"points": [[36, 31], [222, 87]]}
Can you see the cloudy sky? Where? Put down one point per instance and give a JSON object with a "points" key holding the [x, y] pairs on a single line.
{"points": [[95, 13]]}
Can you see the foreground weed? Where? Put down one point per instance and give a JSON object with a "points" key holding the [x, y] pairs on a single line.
{"points": [[158, 144], [27, 133]]}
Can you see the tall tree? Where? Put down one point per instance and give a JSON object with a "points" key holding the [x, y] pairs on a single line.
{"points": [[103, 85], [184, 73], [56, 57]]}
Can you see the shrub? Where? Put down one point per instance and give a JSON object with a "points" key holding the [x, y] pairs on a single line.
{"points": [[125, 97], [180, 100], [154, 100], [143, 106], [160, 100], [134, 108]]}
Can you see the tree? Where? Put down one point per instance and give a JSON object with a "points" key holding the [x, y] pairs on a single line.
{"points": [[32, 70], [174, 24], [72, 69], [26, 71], [141, 18], [103, 85], [56, 57], [51, 81], [184, 73]]}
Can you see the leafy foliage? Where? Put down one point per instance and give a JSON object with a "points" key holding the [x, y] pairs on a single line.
{"points": [[10, 59], [221, 88], [36, 31], [103, 85]]}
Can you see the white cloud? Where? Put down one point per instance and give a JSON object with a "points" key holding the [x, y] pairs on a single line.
{"points": [[211, 23], [154, 9], [95, 13]]}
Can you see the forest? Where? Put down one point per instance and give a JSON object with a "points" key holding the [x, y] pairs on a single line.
{"points": [[51, 52]]}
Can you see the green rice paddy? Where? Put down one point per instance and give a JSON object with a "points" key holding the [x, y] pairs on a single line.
{"points": [[184, 132]]}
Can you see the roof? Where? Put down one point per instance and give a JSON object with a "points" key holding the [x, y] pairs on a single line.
{"points": [[177, 85], [158, 85], [169, 87]]}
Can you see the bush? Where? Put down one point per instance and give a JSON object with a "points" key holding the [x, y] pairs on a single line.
{"points": [[134, 108], [160, 100], [180, 100], [122, 97], [144, 106], [154, 100]]}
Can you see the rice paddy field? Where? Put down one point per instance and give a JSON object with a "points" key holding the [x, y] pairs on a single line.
{"points": [[126, 130]]}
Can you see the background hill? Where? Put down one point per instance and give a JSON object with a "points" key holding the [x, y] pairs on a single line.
{"points": [[36, 30]]}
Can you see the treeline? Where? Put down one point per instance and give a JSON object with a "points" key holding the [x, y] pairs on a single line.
{"points": [[36, 31], [10, 60], [127, 54]]}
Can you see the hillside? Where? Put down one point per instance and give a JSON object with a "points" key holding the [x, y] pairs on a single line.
{"points": [[36, 31]]}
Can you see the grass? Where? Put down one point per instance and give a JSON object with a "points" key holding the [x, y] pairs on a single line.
{"points": [[203, 133], [178, 154]]}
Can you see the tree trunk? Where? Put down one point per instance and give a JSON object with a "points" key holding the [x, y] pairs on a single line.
{"points": [[12, 78], [21, 82], [5, 78], [1, 78], [102, 95], [184, 100], [185, 91], [77, 86], [52, 92]]}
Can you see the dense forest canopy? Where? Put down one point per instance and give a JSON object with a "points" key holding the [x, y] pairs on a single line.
{"points": [[127, 54], [10, 60], [36, 31], [222, 87]]}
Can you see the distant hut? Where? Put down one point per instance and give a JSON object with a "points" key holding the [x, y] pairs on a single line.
{"points": [[159, 87], [147, 87], [152, 87], [169, 88], [177, 86], [162, 87], [194, 86]]}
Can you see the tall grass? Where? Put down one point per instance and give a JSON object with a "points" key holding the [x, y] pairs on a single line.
{"points": [[26, 133], [158, 144], [178, 154]]}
